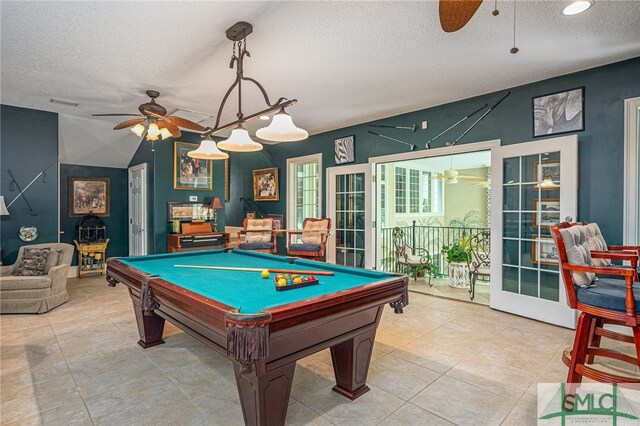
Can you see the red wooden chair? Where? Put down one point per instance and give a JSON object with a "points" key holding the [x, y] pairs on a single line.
{"points": [[601, 301], [313, 238], [259, 235]]}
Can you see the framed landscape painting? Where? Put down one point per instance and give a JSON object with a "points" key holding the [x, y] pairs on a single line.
{"points": [[547, 212], [88, 195]]}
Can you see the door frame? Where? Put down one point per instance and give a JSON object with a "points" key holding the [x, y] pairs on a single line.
{"points": [[562, 314], [489, 145], [331, 173], [631, 221], [145, 228]]}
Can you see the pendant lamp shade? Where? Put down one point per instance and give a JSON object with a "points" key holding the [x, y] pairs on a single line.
{"points": [[208, 151], [3, 207], [239, 141], [138, 130], [282, 129]]}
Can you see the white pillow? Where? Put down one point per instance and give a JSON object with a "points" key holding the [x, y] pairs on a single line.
{"points": [[575, 242], [596, 242]]}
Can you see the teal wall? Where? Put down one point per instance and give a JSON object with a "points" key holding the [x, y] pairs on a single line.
{"points": [[116, 222], [600, 144], [28, 142], [160, 166]]}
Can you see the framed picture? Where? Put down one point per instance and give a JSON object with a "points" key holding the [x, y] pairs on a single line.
{"points": [[251, 215], [345, 151], [278, 220], [186, 211], [88, 195], [265, 184], [191, 173], [544, 251], [560, 112], [548, 170], [547, 212]]}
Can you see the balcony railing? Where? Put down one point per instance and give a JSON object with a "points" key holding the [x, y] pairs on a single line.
{"points": [[430, 238]]}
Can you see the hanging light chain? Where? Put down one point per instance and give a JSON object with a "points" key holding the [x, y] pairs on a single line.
{"points": [[514, 49]]}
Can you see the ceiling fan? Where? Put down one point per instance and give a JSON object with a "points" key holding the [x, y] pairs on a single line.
{"points": [[453, 176], [158, 123], [454, 14]]}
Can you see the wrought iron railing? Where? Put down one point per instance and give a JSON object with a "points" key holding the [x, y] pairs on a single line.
{"points": [[430, 238]]}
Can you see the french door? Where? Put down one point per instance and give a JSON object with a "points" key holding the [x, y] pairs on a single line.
{"points": [[534, 185], [348, 206], [138, 210]]}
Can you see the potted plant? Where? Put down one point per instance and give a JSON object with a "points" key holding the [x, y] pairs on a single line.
{"points": [[457, 256]]}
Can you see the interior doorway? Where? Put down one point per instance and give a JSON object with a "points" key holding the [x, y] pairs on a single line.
{"points": [[138, 210], [439, 206]]}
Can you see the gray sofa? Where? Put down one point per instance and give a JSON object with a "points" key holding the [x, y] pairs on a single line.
{"points": [[39, 294]]}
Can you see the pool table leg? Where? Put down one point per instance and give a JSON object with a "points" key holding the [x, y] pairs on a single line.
{"points": [[264, 395], [150, 326], [351, 364]]}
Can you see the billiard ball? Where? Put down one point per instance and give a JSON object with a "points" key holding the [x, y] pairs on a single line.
{"points": [[265, 273], [282, 282], [297, 280], [289, 281], [279, 276]]}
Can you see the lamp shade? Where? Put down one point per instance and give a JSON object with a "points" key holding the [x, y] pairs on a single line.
{"points": [[215, 203], [3, 207], [282, 129], [239, 141], [548, 184], [138, 130], [208, 151]]}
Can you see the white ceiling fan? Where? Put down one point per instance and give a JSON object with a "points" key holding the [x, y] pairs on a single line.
{"points": [[452, 176]]}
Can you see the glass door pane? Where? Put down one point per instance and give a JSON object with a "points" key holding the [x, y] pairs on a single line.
{"points": [[350, 219]]}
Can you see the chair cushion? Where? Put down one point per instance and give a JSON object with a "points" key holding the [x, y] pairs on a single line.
{"points": [[53, 259], [33, 262], [259, 230], [256, 246], [304, 247], [25, 283], [314, 237], [608, 293], [596, 242], [578, 253]]}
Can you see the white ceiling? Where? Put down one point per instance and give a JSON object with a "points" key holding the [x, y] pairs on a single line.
{"points": [[346, 62]]}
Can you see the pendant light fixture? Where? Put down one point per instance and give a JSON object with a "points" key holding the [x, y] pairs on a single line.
{"points": [[208, 151], [281, 128]]}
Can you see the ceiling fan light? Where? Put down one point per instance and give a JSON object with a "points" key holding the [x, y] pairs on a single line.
{"points": [[152, 137], [548, 184], [240, 141], [138, 130], [282, 129], [153, 131], [165, 133], [576, 7], [208, 151]]}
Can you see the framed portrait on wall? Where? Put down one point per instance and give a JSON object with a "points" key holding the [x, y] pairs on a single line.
{"points": [[265, 184], [191, 173], [278, 220], [560, 112], [88, 195]]}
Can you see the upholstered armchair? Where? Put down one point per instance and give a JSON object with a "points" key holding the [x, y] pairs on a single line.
{"points": [[310, 241], [258, 235], [41, 293]]}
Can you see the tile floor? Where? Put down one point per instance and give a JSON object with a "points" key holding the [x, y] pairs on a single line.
{"points": [[441, 288], [443, 362]]}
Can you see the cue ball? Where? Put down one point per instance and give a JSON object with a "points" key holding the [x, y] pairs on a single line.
{"points": [[265, 273]]}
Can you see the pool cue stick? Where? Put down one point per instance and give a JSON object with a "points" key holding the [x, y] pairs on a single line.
{"points": [[278, 271]]}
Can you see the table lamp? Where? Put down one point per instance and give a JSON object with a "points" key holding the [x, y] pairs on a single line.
{"points": [[3, 207], [215, 205]]}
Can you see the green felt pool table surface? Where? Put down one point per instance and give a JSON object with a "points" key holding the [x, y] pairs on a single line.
{"points": [[248, 291]]}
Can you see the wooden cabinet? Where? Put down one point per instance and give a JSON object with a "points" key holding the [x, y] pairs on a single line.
{"points": [[91, 257], [196, 236]]}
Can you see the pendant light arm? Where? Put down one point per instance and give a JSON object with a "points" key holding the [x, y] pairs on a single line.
{"points": [[224, 100]]}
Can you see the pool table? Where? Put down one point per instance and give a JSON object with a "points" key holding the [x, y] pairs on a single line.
{"points": [[261, 330]]}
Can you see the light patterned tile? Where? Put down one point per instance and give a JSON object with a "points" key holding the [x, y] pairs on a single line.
{"points": [[73, 413], [399, 377], [410, 415], [301, 415]]}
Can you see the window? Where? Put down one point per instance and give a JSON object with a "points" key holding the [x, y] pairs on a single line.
{"points": [[424, 194], [383, 195], [401, 190], [304, 179]]}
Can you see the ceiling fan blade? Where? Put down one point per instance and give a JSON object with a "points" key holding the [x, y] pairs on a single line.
{"points": [[128, 123], [187, 124], [469, 177], [454, 14], [153, 114], [175, 130], [116, 115]]}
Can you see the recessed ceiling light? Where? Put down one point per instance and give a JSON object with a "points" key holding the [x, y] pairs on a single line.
{"points": [[576, 7], [264, 117], [59, 101]]}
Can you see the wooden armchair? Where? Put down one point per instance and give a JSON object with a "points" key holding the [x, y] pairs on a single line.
{"points": [[480, 259], [601, 301], [408, 257], [311, 240], [259, 235]]}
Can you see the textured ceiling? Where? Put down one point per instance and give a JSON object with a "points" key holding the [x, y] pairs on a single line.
{"points": [[346, 62]]}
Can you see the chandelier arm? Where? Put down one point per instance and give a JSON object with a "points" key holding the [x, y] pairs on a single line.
{"points": [[264, 92], [282, 103], [224, 100]]}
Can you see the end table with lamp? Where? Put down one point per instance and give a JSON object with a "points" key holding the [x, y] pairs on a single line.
{"points": [[214, 205]]}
